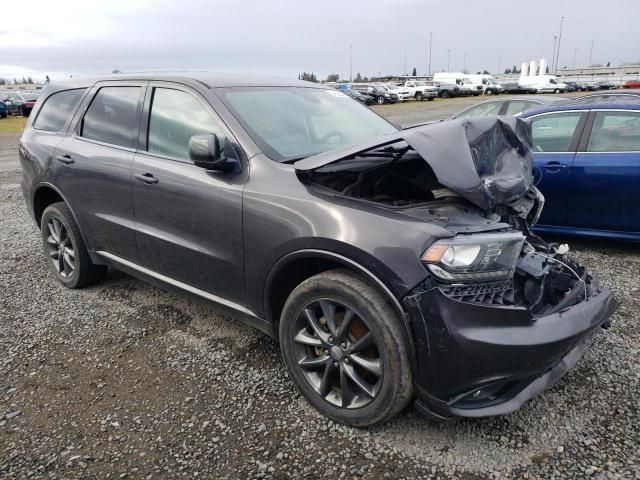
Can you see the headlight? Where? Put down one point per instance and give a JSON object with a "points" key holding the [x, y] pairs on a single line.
{"points": [[474, 257]]}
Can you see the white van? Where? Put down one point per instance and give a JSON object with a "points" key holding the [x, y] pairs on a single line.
{"points": [[490, 86], [543, 83], [460, 79]]}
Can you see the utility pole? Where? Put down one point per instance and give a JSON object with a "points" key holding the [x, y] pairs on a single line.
{"points": [[405, 62], [553, 57], [590, 54], [464, 62], [430, 43], [575, 54], [448, 60], [559, 40], [499, 59], [350, 63]]}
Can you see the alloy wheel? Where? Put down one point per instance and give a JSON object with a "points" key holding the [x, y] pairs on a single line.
{"points": [[60, 247], [338, 354]]}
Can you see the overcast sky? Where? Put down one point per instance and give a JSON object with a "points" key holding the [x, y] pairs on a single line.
{"points": [[84, 37]]}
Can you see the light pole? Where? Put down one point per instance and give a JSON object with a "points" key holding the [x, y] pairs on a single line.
{"points": [[448, 60], [590, 54], [499, 59], [559, 40], [405, 62], [575, 54], [430, 43], [464, 62], [350, 63], [553, 58]]}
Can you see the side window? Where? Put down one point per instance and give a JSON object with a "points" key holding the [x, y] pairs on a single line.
{"points": [[175, 117], [481, 110], [615, 132], [518, 106], [113, 116], [57, 109], [553, 132]]}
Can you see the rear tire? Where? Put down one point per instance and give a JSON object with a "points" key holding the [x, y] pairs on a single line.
{"points": [[357, 373], [65, 250]]}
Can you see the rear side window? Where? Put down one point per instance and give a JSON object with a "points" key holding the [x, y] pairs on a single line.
{"points": [[518, 106], [113, 116], [481, 110], [57, 109], [615, 132], [554, 132]]}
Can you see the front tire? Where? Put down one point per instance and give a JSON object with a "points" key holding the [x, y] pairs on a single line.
{"points": [[346, 349], [65, 249], [445, 94], [380, 100], [419, 96]]}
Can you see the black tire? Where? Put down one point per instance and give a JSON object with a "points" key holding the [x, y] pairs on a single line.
{"points": [[430, 99], [445, 94], [419, 96], [3, 115], [84, 272], [341, 365], [380, 100]]}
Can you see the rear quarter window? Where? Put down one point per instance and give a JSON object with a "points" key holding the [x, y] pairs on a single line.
{"points": [[57, 109]]}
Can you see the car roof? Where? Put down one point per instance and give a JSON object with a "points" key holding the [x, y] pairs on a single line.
{"points": [[208, 79], [561, 107]]}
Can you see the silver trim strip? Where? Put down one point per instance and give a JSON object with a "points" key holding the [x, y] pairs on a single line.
{"points": [[176, 283]]}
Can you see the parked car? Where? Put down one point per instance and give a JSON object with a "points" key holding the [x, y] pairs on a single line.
{"points": [[447, 90], [399, 91], [512, 106], [576, 87], [420, 90], [607, 85], [587, 157], [359, 96], [627, 95], [381, 94], [20, 103], [3, 110], [387, 263], [462, 80], [631, 84], [514, 87]]}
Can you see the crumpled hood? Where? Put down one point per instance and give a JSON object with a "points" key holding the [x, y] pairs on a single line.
{"points": [[486, 160]]}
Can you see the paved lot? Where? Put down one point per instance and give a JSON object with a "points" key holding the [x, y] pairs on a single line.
{"points": [[122, 380], [9, 151]]}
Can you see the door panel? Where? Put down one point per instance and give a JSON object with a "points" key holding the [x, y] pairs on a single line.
{"points": [[189, 220], [555, 137], [98, 186], [94, 173], [190, 225], [605, 179]]}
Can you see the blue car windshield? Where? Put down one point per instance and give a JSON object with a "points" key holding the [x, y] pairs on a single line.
{"points": [[290, 123]]}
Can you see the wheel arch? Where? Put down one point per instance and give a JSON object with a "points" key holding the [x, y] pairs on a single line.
{"points": [[292, 269], [45, 194]]}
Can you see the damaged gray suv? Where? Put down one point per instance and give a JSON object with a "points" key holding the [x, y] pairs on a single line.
{"points": [[391, 265]]}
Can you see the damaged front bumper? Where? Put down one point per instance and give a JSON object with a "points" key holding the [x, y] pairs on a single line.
{"points": [[477, 358]]}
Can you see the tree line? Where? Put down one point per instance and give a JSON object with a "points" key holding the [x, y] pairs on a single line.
{"points": [[6, 81]]}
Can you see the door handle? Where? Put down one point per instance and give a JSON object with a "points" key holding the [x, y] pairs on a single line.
{"points": [[147, 178], [64, 159], [554, 166]]}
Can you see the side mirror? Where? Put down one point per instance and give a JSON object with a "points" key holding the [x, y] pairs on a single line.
{"points": [[207, 152]]}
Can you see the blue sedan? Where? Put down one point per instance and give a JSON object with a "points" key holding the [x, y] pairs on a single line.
{"points": [[587, 165]]}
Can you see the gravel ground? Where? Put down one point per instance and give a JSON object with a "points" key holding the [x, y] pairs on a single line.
{"points": [[122, 380]]}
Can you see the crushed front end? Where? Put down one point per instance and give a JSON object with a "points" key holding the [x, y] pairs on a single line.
{"points": [[485, 345], [500, 314]]}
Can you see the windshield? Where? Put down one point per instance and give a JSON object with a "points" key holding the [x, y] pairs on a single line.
{"points": [[421, 84], [289, 123], [492, 81]]}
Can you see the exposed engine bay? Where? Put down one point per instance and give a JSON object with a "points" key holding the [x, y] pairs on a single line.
{"points": [[482, 191]]}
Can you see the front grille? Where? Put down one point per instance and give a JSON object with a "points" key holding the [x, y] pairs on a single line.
{"points": [[489, 293]]}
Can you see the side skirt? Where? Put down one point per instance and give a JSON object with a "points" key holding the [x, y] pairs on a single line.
{"points": [[225, 306]]}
